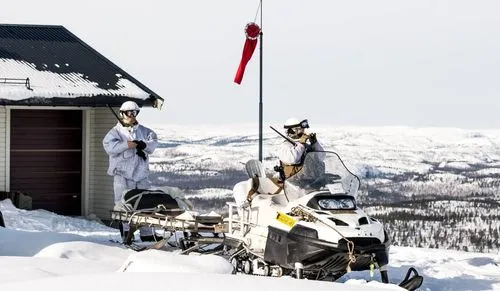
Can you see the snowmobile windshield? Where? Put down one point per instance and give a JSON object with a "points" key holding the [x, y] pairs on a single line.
{"points": [[322, 170]]}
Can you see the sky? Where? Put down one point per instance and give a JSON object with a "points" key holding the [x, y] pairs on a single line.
{"points": [[43, 250], [368, 63]]}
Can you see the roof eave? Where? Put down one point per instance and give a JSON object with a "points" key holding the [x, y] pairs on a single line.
{"points": [[84, 101]]}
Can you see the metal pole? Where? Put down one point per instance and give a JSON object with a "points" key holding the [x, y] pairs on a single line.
{"points": [[261, 113], [260, 102]]}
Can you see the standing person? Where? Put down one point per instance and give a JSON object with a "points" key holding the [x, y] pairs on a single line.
{"points": [[129, 145]]}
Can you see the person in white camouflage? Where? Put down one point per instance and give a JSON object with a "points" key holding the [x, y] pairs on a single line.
{"points": [[291, 155], [129, 145]]}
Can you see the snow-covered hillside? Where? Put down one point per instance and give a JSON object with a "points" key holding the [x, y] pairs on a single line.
{"points": [[422, 160], [433, 187]]}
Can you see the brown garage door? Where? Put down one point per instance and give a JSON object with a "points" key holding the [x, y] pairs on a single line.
{"points": [[46, 158]]}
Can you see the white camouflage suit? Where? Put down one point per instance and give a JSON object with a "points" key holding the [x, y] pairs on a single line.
{"points": [[129, 170], [292, 154]]}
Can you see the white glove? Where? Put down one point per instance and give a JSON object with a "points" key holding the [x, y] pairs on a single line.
{"points": [[246, 204]]}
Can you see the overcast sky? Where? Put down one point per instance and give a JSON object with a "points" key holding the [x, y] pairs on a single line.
{"points": [[416, 63]]}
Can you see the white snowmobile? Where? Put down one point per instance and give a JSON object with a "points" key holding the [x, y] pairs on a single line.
{"points": [[310, 228]]}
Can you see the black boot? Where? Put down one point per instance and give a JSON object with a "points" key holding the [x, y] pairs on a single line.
{"points": [[126, 237], [2, 223]]}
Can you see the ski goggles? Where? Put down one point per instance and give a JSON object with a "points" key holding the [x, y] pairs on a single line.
{"points": [[131, 113], [304, 124]]}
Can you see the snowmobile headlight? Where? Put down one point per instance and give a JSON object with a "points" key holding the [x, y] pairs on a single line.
{"points": [[343, 203]]}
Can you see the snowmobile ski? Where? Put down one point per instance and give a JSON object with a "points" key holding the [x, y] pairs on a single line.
{"points": [[412, 280]]}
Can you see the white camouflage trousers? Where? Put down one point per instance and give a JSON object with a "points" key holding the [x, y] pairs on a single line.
{"points": [[120, 186]]}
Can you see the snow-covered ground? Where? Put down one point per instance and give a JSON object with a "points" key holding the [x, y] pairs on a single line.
{"points": [[42, 250]]}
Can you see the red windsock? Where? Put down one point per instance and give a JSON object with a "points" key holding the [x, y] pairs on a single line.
{"points": [[252, 32]]}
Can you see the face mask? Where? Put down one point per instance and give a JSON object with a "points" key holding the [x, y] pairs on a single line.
{"points": [[295, 132]]}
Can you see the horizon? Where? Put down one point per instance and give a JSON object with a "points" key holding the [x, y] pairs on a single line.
{"points": [[148, 120]]}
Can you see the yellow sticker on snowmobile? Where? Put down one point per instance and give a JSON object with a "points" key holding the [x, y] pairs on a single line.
{"points": [[286, 219]]}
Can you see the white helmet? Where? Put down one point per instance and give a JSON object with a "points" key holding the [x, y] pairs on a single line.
{"points": [[129, 105], [294, 122], [129, 109], [291, 122]]}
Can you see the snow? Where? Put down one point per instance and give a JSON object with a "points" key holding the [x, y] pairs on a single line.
{"points": [[49, 84], [40, 249]]}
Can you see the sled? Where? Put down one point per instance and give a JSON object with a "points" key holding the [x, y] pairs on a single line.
{"points": [[155, 208]]}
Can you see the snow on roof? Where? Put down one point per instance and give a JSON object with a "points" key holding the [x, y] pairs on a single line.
{"points": [[49, 84], [48, 65]]}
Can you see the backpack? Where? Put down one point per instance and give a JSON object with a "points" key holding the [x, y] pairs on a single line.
{"points": [[157, 201]]}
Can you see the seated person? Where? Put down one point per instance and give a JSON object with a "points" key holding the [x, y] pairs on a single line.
{"points": [[291, 154]]}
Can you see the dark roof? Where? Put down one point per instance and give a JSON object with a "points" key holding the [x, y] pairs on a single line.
{"points": [[49, 48]]}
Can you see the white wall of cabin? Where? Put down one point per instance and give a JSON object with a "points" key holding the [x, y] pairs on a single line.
{"points": [[100, 197]]}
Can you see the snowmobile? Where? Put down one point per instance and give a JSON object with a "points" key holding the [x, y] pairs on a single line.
{"points": [[311, 228]]}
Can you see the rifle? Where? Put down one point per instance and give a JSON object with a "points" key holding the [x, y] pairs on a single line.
{"points": [[284, 136], [116, 115]]}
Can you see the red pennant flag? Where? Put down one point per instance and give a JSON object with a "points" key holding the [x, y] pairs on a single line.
{"points": [[252, 32]]}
